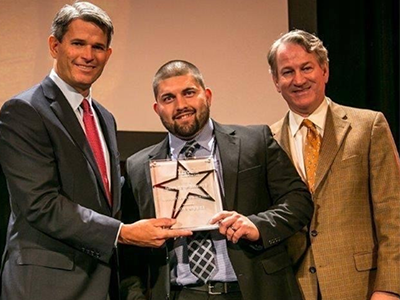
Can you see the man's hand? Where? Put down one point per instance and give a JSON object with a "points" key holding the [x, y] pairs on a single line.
{"points": [[384, 296], [150, 232], [235, 226]]}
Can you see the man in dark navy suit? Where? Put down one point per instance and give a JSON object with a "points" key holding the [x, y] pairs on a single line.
{"points": [[58, 151]]}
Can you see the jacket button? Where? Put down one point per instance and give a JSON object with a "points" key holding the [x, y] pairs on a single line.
{"points": [[314, 233], [312, 270]]}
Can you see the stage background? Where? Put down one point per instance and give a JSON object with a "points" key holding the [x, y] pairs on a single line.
{"points": [[228, 40]]}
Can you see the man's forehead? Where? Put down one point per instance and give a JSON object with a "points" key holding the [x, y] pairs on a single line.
{"points": [[180, 82], [294, 53]]}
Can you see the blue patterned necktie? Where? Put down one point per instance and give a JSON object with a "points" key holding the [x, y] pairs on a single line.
{"points": [[201, 250], [201, 254], [190, 148]]}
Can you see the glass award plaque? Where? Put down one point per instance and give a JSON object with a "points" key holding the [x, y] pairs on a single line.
{"points": [[186, 190]]}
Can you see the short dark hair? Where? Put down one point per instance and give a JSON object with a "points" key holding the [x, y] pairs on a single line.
{"points": [[85, 11], [175, 68], [310, 43]]}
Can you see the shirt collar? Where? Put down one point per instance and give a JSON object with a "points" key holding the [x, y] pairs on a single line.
{"points": [[318, 117], [73, 97], [205, 138]]}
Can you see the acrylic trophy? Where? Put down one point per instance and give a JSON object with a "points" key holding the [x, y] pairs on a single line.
{"points": [[186, 190]]}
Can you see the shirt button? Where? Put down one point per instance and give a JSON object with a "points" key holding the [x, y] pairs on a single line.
{"points": [[312, 270], [314, 233]]}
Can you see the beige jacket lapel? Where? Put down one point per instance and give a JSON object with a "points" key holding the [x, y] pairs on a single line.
{"points": [[336, 128], [280, 131]]}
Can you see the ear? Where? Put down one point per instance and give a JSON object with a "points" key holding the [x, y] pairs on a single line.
{"points": [[276, 83], [53, 45], [208, 96], [325, 71], [155, 107], [108, 53]]}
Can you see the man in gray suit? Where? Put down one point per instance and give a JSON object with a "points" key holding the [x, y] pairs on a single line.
{"points": [[264, 199], [58, 150]]}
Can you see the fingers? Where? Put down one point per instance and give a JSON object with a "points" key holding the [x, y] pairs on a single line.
{"points": [[232, 234], [163, 222], [175, 233], [235, 226], [167, 232], [225, 220], [150, 232], [164, 231], [220, 216]]}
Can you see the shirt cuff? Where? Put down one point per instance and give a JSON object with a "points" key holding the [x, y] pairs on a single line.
{"points": [[116, 239]]}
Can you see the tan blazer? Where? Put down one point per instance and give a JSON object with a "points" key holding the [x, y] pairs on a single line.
{"points": [[355, 231]]}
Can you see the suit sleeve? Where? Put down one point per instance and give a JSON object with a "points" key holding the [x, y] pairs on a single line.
{"points": [[30, 165], [292, 207], [133, 259], [385, 196]]}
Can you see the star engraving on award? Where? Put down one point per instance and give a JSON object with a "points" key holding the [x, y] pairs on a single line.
{"points": [[186, 184]]}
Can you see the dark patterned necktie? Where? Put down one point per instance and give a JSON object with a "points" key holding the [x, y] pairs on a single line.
{"points": [[201, 250], [311, 153], [201, 253], [190, 148], [92, 135]]}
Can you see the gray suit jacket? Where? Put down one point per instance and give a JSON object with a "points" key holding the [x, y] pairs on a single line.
{"points": [[61, 233], [355, 231], [261, 183]]}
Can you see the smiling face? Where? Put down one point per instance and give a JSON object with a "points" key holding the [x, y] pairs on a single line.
{"points": [[81, 56], [183, 106], [300, 78]]}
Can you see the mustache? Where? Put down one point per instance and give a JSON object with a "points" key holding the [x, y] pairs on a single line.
{"points": [[299, 89], [183, 111]]}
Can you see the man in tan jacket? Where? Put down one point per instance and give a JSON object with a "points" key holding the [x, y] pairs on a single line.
{"points": [[351, 250]]}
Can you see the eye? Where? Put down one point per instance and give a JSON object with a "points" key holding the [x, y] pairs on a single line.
{"points": [[190, 93], [167, 98], [77, 43], [287, 72], [99, 47], [307, 69]]}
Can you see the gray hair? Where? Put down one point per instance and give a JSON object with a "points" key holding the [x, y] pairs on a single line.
{"points": [[308, 41], [175, 68], [85, 11]]}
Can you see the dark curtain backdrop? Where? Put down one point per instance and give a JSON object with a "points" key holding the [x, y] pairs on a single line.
{"points": [[362, 38]]}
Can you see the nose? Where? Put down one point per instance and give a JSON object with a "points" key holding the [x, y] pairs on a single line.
{"points": [[181, 102], [87, 53], [299, 78]]}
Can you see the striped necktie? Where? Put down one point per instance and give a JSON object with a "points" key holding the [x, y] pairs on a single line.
{"points": [[92, 135]]}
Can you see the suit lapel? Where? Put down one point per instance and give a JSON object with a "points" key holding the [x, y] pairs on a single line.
{"points": [[160, 151], [282, 135], [108, 129], [226, 139], [64, 112], [336, 128]]}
